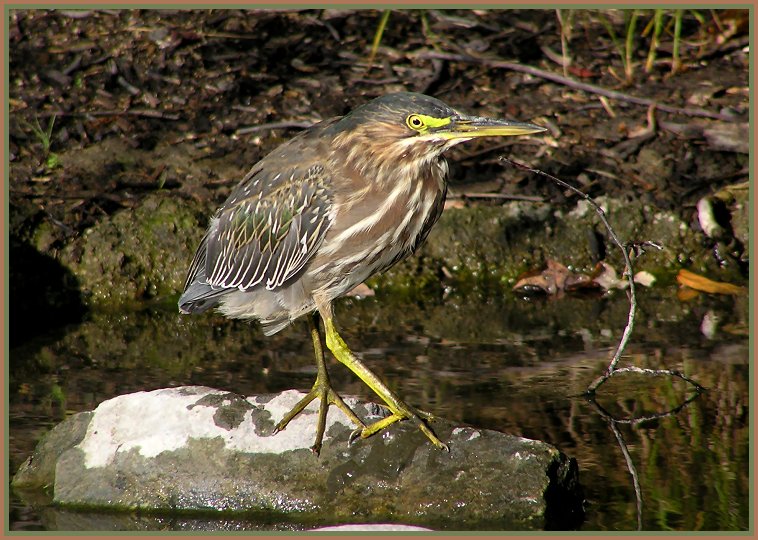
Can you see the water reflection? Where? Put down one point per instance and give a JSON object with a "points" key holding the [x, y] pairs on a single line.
{"points": [[495, 363], [613, 425]]}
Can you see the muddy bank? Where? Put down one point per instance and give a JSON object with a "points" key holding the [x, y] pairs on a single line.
{"points": [[126, 140]]}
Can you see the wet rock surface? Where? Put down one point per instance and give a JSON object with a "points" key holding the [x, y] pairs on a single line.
{"points": [[196, 449]]}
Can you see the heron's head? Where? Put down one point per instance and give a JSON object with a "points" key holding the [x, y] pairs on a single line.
{"points": [[411, 126]]}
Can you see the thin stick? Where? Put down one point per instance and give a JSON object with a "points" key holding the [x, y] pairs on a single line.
{"points": [[274, 125], [656, 372], [632, 470], [628, 271], [497, 196], [613, 424], [633, 421], [571, 83], [148, 113]]}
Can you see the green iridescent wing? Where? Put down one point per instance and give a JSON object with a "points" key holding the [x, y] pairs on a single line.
{"points": [[267, 230]]}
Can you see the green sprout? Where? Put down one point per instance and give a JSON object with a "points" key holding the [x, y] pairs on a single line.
{"points": [[45, 137]]}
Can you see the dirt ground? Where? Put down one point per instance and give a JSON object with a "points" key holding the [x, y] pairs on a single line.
{"points": [[107, 106]]}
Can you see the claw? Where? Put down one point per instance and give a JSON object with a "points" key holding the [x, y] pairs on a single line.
{"points": [[354, 436]]}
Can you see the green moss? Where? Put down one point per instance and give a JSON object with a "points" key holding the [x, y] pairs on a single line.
{"points": [[138, 254], [489, 247], [143, 253]]}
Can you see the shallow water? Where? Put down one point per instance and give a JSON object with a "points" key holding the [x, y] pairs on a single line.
{"points": [[509, 364]]}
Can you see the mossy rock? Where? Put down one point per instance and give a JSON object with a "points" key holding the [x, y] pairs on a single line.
{"points": [[137, 254], [143, 253], [492, 246]]}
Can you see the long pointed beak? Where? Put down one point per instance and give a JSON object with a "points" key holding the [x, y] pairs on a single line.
{"points": [[467, 127]]}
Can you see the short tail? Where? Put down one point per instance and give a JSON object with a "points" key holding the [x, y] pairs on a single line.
{"points": [[199, 297]]}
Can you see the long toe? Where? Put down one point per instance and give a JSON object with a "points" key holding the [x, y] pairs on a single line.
{"points": [[384, 423], [335, 399], [327, 396], [330, 397], [297, 409]]}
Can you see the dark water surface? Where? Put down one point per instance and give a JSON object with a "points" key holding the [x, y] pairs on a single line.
{"points": [[507, 364]]}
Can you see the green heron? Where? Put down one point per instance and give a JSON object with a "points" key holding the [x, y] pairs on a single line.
{"points": [[339, 202]]}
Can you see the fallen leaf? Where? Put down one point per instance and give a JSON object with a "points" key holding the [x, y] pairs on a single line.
{"points": [[551, 280], [606, 277], [554, 279], [644, 278], [576, 282], [361, 291], [701, 283]]}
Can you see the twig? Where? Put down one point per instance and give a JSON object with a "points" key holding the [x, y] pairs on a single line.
{"points": [[221, 35], [499, 196], [131, 112], [628, 271], [78, 195], [613, 424], [388, 80], [632, 470], [274, 125], [560, 59], [656, 372], [571, 83], [648, 417]]}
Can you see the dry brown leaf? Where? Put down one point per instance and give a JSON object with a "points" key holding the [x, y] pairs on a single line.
{"points": [[554, 279], [685, 294], [701, 283], [577, 282], [551, 280], [361, 291]]}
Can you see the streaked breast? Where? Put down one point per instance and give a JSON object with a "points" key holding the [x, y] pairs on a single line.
{"points": [[382, 227]]}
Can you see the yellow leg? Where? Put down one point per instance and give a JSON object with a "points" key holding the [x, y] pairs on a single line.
{"points": [[397, 407], [322, 389]]}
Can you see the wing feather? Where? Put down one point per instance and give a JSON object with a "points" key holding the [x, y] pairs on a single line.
{"points": [[268, 236]]}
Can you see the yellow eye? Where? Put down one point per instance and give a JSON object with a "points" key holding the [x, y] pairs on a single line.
{"points": [[414, 121]]}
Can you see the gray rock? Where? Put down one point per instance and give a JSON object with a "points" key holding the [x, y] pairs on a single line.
{"points": [[200, 449]]}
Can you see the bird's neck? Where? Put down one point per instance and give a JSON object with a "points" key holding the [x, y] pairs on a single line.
{"points": [[391, 164]]}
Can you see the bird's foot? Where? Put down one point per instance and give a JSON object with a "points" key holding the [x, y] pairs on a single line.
{"points": [[420, 418], [328, 396]]}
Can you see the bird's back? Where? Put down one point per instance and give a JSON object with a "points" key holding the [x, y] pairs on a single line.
{"points": [[267, 229]]}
